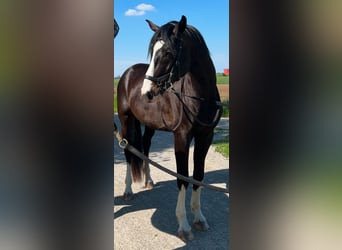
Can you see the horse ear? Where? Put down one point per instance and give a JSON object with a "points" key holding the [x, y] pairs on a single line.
{"points": [[152, 26], [180, 27]]}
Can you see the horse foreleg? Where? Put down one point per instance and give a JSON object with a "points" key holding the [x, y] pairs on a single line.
{"points": [[182, 144], [202, 144], [146, 145], [200, 222], [184, 229]]}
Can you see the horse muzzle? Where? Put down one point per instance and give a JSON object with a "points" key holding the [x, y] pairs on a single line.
{"points": [[150, 86], [146, 87]]}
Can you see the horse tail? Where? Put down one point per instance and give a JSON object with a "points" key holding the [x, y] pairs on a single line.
{"points": [[135, 139]]}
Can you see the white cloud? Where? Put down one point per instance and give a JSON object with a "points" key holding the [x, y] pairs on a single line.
{"points": [[131, 12], [145, 7], [139, 10]]}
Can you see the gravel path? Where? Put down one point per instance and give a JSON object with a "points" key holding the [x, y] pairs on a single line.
{"points": [[149, 221]]}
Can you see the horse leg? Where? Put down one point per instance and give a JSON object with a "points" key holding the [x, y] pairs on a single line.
{"points": [[130, 129], [128, 194], [146, 145], [182, 144], [202, 144]]}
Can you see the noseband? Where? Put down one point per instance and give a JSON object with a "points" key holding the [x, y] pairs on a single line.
{"points": [[165, 81]]}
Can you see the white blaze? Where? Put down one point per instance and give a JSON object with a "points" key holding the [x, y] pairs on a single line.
{"points": [[147, 84]]}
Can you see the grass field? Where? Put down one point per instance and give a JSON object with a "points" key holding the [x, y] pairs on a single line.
{"points": [[222, 79], [116, 80], [222, 147]]}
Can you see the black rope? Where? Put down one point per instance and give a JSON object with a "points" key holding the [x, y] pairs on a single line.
{"points": [[125, 145]]}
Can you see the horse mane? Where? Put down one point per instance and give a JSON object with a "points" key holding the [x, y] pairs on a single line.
{"points": [[165, 33]]}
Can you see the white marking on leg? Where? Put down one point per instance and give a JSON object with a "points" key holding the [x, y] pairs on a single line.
{"points": [[181, 212], [147, 84], [195, 204], [148, 178], [128, 180]]}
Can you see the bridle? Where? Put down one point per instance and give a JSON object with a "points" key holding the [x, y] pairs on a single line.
{"points": [[165, 81]]}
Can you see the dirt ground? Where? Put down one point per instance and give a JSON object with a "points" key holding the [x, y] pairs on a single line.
{"points": [[149, 221], [224, 91]]}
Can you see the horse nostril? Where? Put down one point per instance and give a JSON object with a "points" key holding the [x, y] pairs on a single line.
{"points": [[149, 95]]}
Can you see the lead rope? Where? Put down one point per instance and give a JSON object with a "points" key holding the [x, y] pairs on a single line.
{"points": [[123, 143]]}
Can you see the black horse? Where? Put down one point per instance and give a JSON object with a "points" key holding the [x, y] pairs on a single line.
{"points": [[176, 92]]}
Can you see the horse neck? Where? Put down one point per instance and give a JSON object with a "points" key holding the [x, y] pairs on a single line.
{"points": [[202, 68]]}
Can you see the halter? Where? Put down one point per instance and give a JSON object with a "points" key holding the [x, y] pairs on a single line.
{"points": [[165, 81]]}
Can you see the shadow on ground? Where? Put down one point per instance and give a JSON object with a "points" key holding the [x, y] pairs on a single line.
{"points": [[163, 198]]}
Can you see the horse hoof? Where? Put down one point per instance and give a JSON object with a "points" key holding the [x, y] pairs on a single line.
{"points": [[149, 185], [201, 225], [185, 235], [128, 196]]}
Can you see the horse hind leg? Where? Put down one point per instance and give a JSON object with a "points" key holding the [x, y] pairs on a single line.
{"points": [[148, 134], [202, 144], [130, 129], [128, 194]]}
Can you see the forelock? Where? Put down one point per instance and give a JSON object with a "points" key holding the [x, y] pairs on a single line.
{"points": [[165, 33]]}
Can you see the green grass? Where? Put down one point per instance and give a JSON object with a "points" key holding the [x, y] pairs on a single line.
{"points": [[221, 142], [222, 79], [225, 112], [116, 81], [222, 147], [115, 103]]}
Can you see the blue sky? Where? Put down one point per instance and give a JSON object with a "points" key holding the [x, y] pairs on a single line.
{"points": [[211, 18]]}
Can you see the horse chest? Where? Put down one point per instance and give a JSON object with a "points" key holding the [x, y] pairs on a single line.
{"points": [[159, 114]]}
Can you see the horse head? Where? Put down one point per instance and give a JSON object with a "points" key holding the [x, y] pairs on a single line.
{"points": [[166, 50]]}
